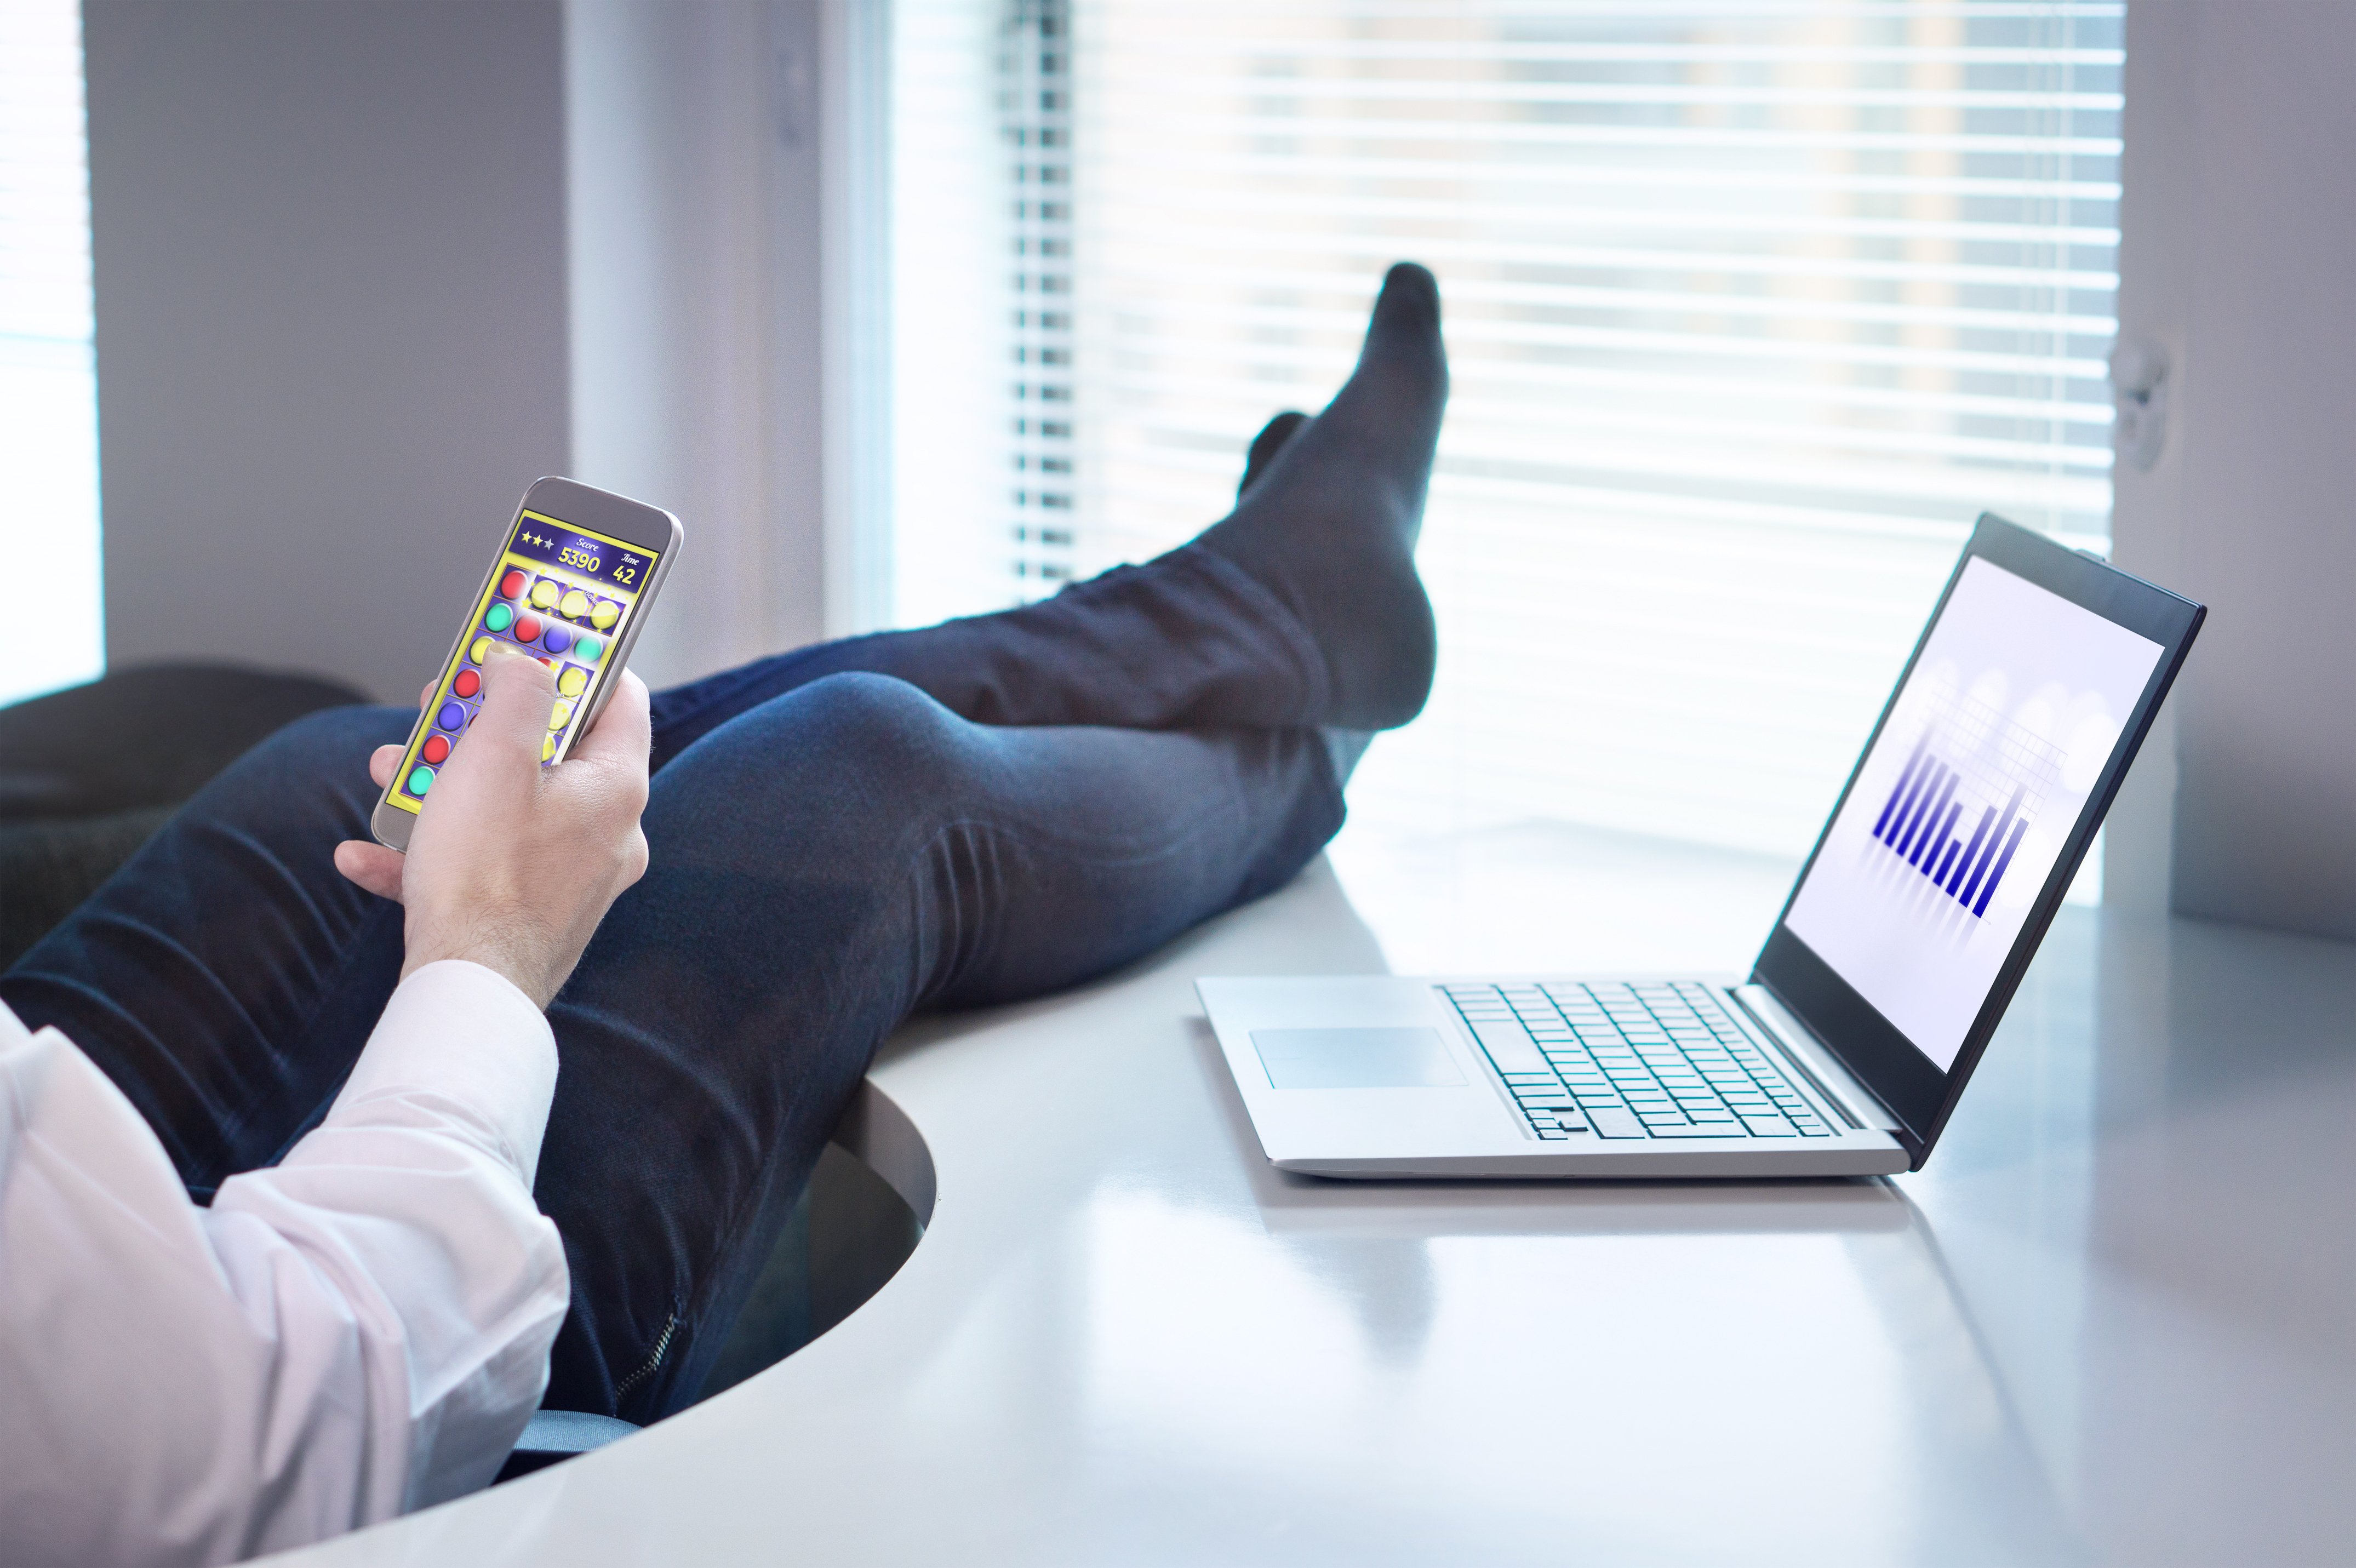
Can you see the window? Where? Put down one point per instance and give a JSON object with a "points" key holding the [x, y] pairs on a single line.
{"points": [[48, 384], [1751, 308]]}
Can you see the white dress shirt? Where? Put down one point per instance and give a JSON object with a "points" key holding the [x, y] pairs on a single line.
{"points": [[362, 1331]]}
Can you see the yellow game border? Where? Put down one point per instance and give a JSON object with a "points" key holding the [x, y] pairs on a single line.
{"points": [[394, 793]]}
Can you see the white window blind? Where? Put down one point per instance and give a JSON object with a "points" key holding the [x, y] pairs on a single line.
{"points": [[49, 635], [1751, 308]]}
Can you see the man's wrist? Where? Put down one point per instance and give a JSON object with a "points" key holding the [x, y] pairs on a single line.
{"points": [[506, 951]]}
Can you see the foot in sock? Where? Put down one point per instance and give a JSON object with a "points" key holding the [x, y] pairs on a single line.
{"points": [[1330, 509], [1344, 747]]}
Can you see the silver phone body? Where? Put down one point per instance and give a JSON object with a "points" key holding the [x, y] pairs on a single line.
{"points": [[584, 507]]}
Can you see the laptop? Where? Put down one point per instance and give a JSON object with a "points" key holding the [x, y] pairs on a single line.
{"points": [[1845, 1049]]}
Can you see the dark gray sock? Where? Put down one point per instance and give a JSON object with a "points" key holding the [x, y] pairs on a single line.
{"points": [[1327, 521]]}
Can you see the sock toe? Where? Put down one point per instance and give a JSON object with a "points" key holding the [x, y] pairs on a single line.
{"points": [[1408, 306]]}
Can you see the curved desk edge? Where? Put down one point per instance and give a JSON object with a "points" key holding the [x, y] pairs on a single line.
{"points": [[881, 1134]]}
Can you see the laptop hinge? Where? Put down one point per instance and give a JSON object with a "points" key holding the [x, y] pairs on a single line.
{"points": [[1809, 1055]]}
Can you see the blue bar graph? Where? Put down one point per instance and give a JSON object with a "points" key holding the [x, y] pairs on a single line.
{"points": [[1988, 815], [1903, 779], [1918, 825]]}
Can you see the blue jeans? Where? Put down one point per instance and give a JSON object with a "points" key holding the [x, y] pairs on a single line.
{"points": [[967, 815]]}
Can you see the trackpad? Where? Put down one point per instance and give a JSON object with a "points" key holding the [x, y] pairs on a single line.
{"points": [[1355, 1058]]}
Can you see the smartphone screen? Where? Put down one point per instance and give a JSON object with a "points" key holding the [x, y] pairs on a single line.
{"points": [[563, 595]]}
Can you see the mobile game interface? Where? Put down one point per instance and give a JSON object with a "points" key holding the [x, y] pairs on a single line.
{"points": [[564, 596]]}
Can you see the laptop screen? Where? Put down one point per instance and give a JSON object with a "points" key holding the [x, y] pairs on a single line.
{"points": [[1960, 812]]}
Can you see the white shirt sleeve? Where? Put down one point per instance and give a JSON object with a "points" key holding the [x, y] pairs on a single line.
{"points": [[362, 1331]]}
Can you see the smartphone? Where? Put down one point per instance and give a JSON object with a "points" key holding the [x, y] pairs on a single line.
{"points": [[569, 585]]}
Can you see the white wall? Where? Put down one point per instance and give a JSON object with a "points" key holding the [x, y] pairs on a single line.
{"points": [[2238, 224], [366, 270], [328, 244], [694, 135]]}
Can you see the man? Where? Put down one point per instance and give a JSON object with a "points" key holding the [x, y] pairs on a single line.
{"points": [[356, 1073]]}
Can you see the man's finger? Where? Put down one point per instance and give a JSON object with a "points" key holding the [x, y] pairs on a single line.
{"points": [[373, 866], [382, 761], [624, 732], [425, 695], [507, 728]]}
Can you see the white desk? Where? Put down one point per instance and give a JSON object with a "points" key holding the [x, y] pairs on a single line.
{"points": [[2112, 1320]]}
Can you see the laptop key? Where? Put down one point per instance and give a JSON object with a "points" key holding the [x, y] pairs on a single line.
{"points": [[1769, 1128], [1614, 1123], [1510, 1046], [1697, 1130]]}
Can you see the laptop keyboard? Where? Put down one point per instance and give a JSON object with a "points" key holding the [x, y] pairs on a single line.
{"points": [[1659, 1060]]}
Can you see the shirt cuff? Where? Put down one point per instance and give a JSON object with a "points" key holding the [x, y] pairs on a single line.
{"points": [[465, 1033]]}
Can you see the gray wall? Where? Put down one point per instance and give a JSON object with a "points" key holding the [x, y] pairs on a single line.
{"points": [[2238, 225], [329, 247]]}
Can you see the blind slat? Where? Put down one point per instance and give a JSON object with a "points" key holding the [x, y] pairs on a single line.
{"points": [[1751, 307], [1245, 169]]}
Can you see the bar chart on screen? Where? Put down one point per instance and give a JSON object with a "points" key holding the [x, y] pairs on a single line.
{"points": [[1969, 757], [1971, 795]]}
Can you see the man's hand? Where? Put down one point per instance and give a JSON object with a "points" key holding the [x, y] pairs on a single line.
{"points": [[512, 865]]}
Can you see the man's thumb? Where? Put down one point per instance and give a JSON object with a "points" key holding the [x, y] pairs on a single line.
{"points": [[519, 693]]}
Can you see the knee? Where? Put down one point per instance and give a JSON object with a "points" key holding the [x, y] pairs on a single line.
{"points": [[816, 783], [855, 733], [874, 727]]}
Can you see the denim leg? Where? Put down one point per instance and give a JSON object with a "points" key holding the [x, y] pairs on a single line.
{"points": [[1185, 641], [824, 865], [226, 977]]}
